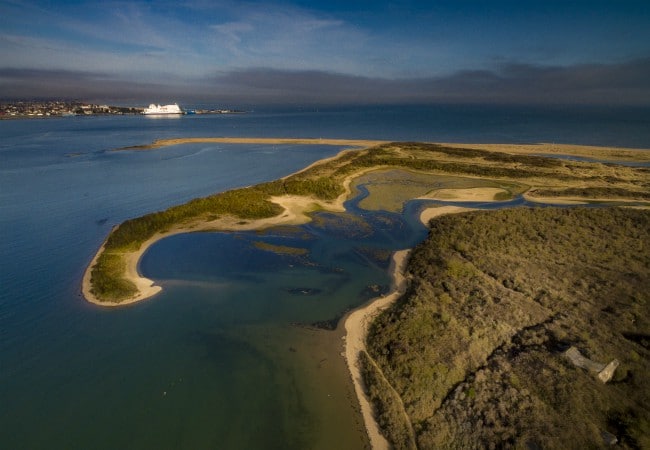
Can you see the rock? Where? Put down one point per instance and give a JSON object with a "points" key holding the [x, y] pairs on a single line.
{"points": [[581, 361], [605, 372], [608, 372]]}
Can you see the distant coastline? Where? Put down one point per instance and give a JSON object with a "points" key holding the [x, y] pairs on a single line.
{"points": [[62, 109]]}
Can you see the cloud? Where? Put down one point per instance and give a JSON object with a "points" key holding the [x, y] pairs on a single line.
{"points": [[598, 84], [65, 84], [626, 83], [284, 37]]}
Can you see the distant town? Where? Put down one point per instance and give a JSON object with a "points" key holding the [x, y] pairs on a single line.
{"points": [[60, 108]]}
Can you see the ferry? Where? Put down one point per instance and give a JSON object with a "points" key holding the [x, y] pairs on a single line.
{"points": [[164, 109]]}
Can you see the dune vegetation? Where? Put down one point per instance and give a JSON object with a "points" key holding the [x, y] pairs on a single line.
{"points": [[474, 355]]}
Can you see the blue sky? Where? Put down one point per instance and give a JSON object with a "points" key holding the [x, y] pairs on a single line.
{"points": [[328, 51]]}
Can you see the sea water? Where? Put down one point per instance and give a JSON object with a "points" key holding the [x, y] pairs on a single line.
{"points": [[226, 356]]}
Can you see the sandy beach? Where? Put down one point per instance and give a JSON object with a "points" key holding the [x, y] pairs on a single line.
{"points": [[357, 322], [356, 328]]}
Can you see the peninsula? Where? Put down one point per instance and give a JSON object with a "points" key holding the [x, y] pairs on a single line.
{"points": [[456, 172], [112, 277]]}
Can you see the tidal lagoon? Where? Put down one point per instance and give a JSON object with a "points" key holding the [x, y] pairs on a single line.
{"points": [[230, 354]]}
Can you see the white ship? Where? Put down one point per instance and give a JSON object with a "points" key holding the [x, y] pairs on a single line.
{"points": [[164, 109]]}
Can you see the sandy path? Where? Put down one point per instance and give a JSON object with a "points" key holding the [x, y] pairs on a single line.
{"points": [[579, 200]]}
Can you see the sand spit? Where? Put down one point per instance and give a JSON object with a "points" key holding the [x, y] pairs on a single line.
{"points": [[295, 210], [430, 213], [295, 213], [266, 141], [603, 153]]}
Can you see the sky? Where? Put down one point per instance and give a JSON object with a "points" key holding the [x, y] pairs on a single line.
{"points": [[328, 51]]}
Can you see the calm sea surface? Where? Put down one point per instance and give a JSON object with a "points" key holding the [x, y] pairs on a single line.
{"points": [[221, 358]]}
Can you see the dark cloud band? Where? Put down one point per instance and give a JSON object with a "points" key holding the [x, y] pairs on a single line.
{"points": [[625, 83]]}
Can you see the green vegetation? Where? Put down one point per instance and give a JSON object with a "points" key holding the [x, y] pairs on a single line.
{"points": [[284, 249], [324, 182], [475, 348], [592, 192], [107, 278]]}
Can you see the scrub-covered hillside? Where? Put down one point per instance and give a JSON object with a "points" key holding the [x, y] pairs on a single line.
{"points": [[484, 349]]}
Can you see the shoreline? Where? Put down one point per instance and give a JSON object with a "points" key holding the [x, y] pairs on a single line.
{"points": [[356, 323], [295, 208], [355, 326]]}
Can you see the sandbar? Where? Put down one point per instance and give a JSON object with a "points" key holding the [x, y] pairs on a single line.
{"points": [[479, 194], [430, 213], [266, 141]]}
